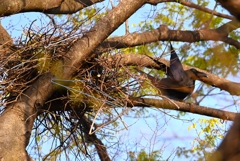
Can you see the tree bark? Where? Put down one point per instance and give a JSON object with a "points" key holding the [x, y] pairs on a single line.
{"points": [[9, 7], [229, 148], [17, 119]]}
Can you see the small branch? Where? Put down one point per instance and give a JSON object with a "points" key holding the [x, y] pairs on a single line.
{"points": [[181, 106], [232, 6], [193, 5], [5, 37], [84, 47], [101, 149]]}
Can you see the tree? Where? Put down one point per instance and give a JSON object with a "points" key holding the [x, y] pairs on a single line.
{"points": [[57, 78]]}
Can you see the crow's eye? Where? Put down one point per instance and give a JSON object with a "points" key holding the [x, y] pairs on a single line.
{"points": [[194, 70]]}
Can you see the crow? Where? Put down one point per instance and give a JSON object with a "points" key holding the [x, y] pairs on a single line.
{"points": [[179, 83]]}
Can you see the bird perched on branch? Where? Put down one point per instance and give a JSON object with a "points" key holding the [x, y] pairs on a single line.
{"points": [[179, 83]]}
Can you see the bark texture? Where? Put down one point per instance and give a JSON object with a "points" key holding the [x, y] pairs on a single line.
{"points": [[232, 6], [18, 118], [9, 7]]}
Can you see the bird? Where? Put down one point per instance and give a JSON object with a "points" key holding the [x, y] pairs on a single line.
{"points": [[179, 83]]}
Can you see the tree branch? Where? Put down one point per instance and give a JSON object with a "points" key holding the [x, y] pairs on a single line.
{"points": [[9, 7], [181, 106], [193, 5], [232, 6], [18, 118], [101, 149], [163, 33], [229, 148], [5, 37]]}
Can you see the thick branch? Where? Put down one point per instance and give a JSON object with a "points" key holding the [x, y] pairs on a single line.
{"points": [[72, 6], [5, 38], [181, 106], [165, 34], [141, 60], [229, 148], [87, 44], [5, 41], [232, 6], [17, 120], [9, 7]]}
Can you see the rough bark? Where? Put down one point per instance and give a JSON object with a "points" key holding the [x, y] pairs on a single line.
{"points": [[232, 6], [17, 120], [229, 148], [9, 7]]}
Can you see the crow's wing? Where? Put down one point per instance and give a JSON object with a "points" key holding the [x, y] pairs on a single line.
{"points": [[176, 68]]}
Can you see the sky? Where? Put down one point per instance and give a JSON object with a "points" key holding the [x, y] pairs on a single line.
{"points": [[160, 131]]}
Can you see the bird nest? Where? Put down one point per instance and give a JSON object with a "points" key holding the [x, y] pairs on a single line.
{"points": [[31, 56], [38, 52]]}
